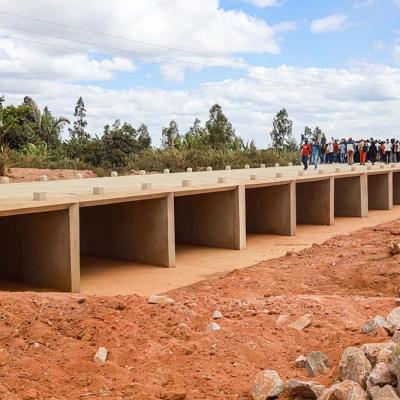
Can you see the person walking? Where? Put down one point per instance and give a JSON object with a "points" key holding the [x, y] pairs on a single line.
{"points": [[388, 151], [305, 153], [316, 150], [335, 152], [350, 151], [373, 151], [362, 149], [342, 150]]}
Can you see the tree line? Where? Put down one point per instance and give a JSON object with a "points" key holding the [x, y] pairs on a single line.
{"points": [[29, 131]]}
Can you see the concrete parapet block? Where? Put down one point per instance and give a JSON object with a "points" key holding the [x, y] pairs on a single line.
{"points": [[166, 171], [142, 172], [221, 179], [262, 166], [337, 169], [246, 166], [39, 196], [393, 165], [43, 178], [353, 169], [369, 167], [98, 190], [276, 165], [114, 174], [146, 186], [79, 176], [4, 180], [381, 166], [186, 182], [278, 175], [189, 169], [300, 173], [228, 167], [290, 164], [209, 169], [253, 177]]}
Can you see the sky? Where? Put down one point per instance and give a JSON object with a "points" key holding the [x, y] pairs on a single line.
{"points": [[332, 64]]}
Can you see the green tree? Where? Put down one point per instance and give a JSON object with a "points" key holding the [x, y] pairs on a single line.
{"points": [[143, 138], [15, 126], [220, 130], [196, 137], [77, 132], [170, 137], [118, 142], [308, 134], [47, 127], [282, 132]]}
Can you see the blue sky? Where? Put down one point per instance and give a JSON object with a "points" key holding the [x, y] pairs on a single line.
{"points": [[335, 64]]}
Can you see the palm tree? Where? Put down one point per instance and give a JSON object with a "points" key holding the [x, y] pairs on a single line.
{"points": [[48, 127]]}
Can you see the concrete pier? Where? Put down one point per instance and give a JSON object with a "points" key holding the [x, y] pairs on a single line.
{"points": [[42, 248], [380, 190], [141, 231], [315, 201], [351, 196], [271, 209], [213, 218]]}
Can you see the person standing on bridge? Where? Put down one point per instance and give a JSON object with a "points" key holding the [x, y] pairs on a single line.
{"points": [[362, 149], [350, 146], [373, 151], [305, 153], [316, 151]]}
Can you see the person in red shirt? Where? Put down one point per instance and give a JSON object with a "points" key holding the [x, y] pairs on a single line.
{"points": [[305, 153]]}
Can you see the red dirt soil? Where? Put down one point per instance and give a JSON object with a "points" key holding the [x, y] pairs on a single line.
{"points": [[47, 341], [33, 174]]}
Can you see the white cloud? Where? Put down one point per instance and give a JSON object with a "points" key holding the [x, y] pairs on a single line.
{"points": [[364, 4], [265, 3], [396, 52], [172, 73], [332, 23], [199, 26], [396, 3], [362, 101]]}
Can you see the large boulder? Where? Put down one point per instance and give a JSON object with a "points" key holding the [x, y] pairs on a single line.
{"points": [[346, 390], [303, 322], [383, 393], [305, 389], [394, 361], [378, 352], [394, 318], [267, 385], [354, 366], [317, 363], [381, 376], [376, 325]]}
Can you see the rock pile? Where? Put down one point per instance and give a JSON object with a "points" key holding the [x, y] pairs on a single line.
{"points": [[369, 372]]}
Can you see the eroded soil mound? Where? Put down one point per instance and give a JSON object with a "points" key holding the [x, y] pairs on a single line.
{"points": [[33, 174]]}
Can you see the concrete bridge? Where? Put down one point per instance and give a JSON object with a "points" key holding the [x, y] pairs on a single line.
{"points": [[45, 227]]}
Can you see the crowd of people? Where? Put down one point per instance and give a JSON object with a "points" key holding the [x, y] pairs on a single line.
{"points": [[349, 151]]}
